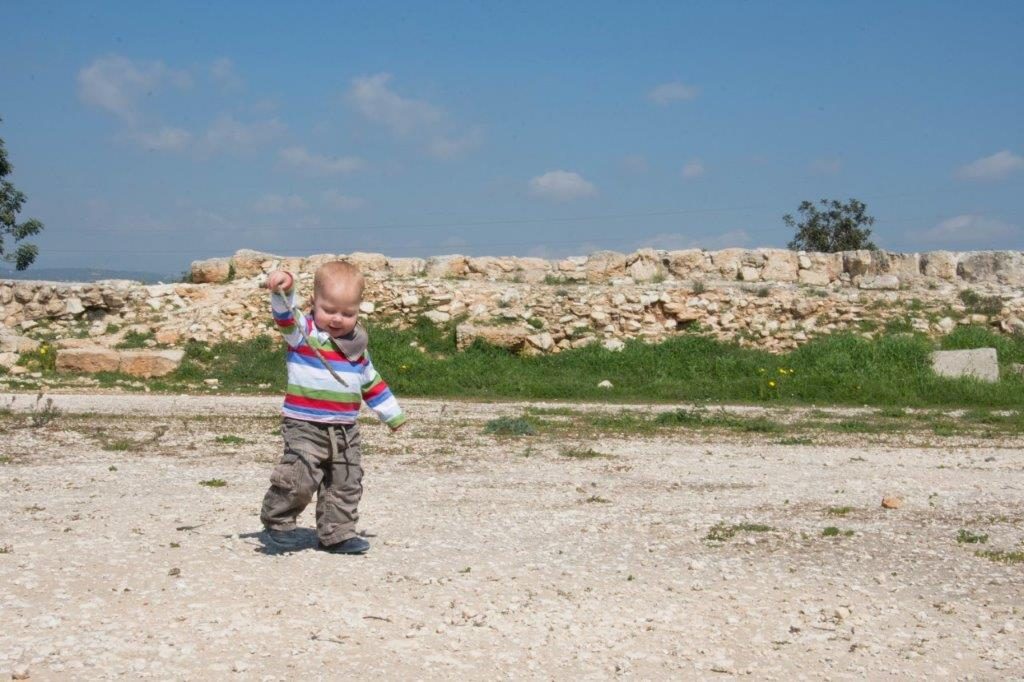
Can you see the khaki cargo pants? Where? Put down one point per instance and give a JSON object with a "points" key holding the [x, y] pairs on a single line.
{"points": [[322, 459]]}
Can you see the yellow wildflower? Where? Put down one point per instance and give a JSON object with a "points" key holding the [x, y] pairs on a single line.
{"points": [[771, 384]]}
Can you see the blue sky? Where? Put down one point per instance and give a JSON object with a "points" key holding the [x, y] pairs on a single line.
{"points": [[146, 135]]}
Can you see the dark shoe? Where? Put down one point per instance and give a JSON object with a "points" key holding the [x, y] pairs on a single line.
{"points": [[286, 540], [355, 545]]}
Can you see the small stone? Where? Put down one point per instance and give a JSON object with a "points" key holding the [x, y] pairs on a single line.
{"points": [[891, 503], [239, 667], [174, 572], [20, 672], [605, 384], [211, 382]]}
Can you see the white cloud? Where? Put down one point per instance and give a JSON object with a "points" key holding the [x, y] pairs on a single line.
{"points": [[228, 133], [694, 168], [672, 92], [275, 203], [372, 97], [115, 83], [222, 71], [968, 230], [443, 147], [165, 139], [995, 167], [560, 185], [671, 241], [827, 166], [334, 199], [301, 158]]}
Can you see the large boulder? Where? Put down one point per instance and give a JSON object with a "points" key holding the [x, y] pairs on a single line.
{"points": [[90, 359], [686, 263], [602, 266], [407, 267], [150, 363], [781, 265], [510, 337], [249, 263], [939, 264], [644, 265], [1005, 267], [447, 266], [368, 262], [211, 270], [978, 363]]}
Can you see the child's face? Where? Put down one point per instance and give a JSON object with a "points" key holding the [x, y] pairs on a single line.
{"points": [[336, 308]]}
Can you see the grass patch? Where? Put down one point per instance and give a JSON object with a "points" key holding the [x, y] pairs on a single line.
{"points": [[510, 426], [723, 532], [999, 556], [119, 444], [230, 440], [984, 305], [795, 440], [584, 454], [214, 483], [134, 339], [887, 371], [838, 511], [965, 536], [597, 499], [833, 532]]}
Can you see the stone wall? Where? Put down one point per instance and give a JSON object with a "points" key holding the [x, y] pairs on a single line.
{"points": [[770, 298]]}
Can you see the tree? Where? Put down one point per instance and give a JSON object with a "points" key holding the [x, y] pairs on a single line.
{"points": [[836, 227], [11, 201]]}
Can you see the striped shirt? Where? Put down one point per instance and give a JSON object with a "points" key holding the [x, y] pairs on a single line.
{"points": [[313, 394]]}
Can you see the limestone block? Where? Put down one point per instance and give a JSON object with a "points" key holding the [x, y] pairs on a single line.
{"points": [[249, 263], [862, 262], [604, 265], [728, 261], [682, 312], [511, 337], [749, 273], [447, 266], [980, 363], [407, 267], [781, 265], [89, 359], [8, 360], [881, 283], [211, 270], [149, 363], [643, 266], [941, 264], [686, 263], [1013, 325], [542, 341], [1005, 267], [906, 266], [13, 343], [368, 262], [815, 278]]}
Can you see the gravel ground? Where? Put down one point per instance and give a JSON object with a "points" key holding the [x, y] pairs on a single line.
{"points": [[501, 557]]}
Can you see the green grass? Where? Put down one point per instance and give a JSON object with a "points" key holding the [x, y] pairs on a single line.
{"points": [[510, 426], [890, 371], [838, 511], [723, 532], [1000, 556], [584, 454], [135, 339], [968, 537], [833, 532], [214, 483], [230, 440]]}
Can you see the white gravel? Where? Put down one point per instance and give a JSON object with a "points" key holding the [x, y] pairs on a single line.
{"points": [[499, 558]]}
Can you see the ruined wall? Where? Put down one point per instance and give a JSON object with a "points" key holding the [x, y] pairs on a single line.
{"points": [[770, 298]]}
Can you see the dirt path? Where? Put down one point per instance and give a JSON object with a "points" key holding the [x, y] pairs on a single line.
{"points": [[559, 555]]}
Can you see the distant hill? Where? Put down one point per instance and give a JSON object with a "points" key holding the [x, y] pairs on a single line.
{"points": [[87, 275]]}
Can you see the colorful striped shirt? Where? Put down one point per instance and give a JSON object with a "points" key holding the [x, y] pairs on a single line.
{"points": [[313, 394]]}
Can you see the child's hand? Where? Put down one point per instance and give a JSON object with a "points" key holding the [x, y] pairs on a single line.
{"points": [[279, 279]]}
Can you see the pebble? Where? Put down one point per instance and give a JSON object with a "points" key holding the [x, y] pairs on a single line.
{"points": [[20, 672]]}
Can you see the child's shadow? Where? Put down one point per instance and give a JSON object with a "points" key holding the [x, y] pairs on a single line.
{"points": [[305, 538]]}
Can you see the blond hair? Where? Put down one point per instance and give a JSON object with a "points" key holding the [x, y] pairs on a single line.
{"points": [[338, 272]]}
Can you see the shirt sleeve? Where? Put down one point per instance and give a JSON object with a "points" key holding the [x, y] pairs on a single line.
{"points": [[378, 396]]}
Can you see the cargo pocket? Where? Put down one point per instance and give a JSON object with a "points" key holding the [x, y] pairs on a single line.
{"points": [[286, 474]]}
